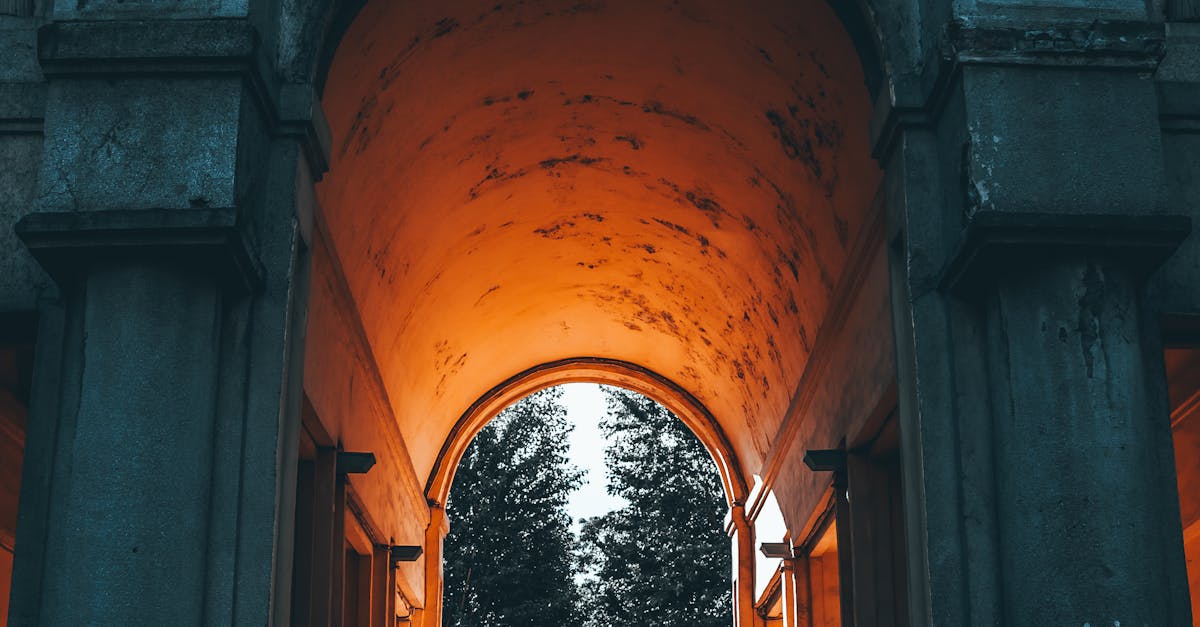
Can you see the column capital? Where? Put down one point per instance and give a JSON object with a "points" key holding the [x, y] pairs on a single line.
{"points": [[996, 243], [439, 521], [736, 519]]}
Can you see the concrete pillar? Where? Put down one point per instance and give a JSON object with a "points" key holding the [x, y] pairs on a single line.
{"points": [[741, 533], [166, 452], [16, 7], [136, 505], [1081, 510], [383, 588], [1026, 208], [793, 583], [435, 536], [145, 418]]}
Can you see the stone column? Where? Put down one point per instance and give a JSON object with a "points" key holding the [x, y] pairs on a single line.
{"points": [[741, 533], [1076, 434], [138, 499], [1026, 209], [16, 7], [171, 215], [435, 537], [149, 297], [794, 591]]}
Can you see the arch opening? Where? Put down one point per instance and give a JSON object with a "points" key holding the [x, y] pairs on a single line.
{"points": [[679, 192], [617, 373], [673, 185], [525, 537]]}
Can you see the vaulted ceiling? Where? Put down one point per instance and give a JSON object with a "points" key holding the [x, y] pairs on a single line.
{"points": [[671, 183]]}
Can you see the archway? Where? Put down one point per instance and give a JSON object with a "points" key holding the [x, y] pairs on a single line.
{"points": [[586, 503], [681, 192], [678, 185], [589, 370], [621, 374]]}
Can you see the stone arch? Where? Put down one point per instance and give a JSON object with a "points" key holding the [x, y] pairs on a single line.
{"points": [[588, 370], [678, 188], [682, 192]]}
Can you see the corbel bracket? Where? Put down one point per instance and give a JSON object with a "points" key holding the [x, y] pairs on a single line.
{"points": [[354, 463], [832, 460], [403, 553]]}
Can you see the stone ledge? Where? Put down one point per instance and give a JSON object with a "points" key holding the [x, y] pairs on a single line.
{"points": [[996, 244], [889, 121], [67, 243], [217, 46], [1109, 44]]}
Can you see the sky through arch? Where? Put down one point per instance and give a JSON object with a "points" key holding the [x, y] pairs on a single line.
{"points": [[586, 407]]}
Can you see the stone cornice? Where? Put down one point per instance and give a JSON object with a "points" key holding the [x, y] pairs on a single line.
{"points": [[180, 48], [208, 240], [116, 47], [996, 244], [1099, 44]]}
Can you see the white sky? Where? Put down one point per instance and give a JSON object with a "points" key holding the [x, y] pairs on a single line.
{"points": [[585, 407]]}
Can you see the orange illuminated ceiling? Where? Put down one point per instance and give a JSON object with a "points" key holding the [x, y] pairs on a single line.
{"points": [[673, 184]]}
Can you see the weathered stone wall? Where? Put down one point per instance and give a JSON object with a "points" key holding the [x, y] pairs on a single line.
{"points": [[164, 201], [1031, 147], [22, 101], [1173, 289]]}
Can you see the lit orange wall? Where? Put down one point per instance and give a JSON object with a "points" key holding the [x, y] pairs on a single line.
{"points": [[12, 447], [351, 403], [6, 564], [1183, 373], [851, 377], [824, 603]]}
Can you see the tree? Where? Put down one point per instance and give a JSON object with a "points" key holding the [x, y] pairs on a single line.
{"points": [[663, 559], [509, 557]]}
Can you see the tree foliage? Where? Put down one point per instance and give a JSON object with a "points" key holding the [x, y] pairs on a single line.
{"points": [[509, 558], [663, 559]]}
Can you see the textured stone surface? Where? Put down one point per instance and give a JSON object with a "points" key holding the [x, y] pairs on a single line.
{"points": [[140, 144], [1178, 79], [1031, 147], [1027, 129], [1075, 459], [21, 103], [141, 460], [18, 47], [21, 278], [141, 9]]}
